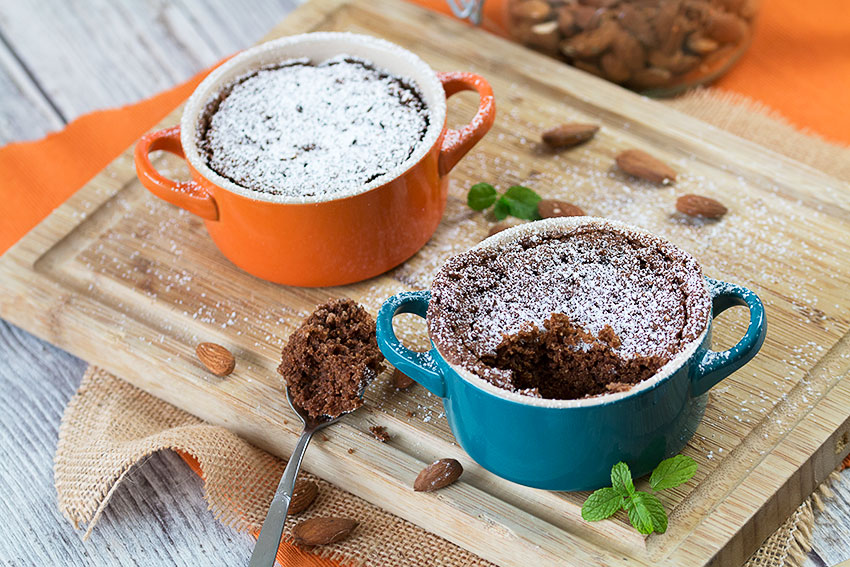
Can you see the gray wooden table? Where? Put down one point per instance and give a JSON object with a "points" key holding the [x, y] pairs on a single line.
{"points": [[60, 59]]}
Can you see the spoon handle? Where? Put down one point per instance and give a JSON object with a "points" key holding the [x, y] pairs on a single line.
{"points": [[266, 549]]}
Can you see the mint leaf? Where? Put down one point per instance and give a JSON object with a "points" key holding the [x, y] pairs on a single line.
{"points": [[521, 202], [602, 504], [481, 196], [621, 480], [646, 513], [502, 209], [672, 472]]}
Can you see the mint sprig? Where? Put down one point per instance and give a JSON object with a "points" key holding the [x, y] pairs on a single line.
{"points": [[672, 472], [602, 504], [481, 196], [646, 512], [517, 201], [621, 479]]}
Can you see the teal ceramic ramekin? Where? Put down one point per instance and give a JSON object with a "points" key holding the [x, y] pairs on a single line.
{"points": [[572, 444]]}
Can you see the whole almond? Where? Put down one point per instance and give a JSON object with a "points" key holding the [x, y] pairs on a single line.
{"points": [[637, 22], [700, 44], [322, 531], [216, 358], [568, 135], [438, 474], [566, 21], [400, 380], [641, 164], [303, 495], [544, 37], [592, 42], [650, 78], [628, 50], [552, 208], [726, 28], [616, 70], [589, 67], [700, 206], [531, 10], [585, 17], [498, 227]]}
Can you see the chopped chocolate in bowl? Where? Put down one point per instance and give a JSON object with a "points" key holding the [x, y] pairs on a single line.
{"points": [[330, 358], [581, 311]]}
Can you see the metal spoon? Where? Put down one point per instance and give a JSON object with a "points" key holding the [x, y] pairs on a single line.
{"points": [[265, 551]]}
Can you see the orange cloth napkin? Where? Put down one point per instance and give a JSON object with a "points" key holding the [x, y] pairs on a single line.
{"points": [[798, 65]]}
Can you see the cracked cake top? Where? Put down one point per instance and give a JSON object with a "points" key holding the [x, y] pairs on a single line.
{"points": [[570, 310]]}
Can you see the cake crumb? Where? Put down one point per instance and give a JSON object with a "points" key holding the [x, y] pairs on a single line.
{"points": [[379, 432]]}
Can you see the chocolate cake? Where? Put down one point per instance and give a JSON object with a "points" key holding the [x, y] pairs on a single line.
{"points": [[568, 311], [330, 358], [299, 129]]}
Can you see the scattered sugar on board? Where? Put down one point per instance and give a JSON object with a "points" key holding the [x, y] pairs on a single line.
{"points": [[754, 233]]}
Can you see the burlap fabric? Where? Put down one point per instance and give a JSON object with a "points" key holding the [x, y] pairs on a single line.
{"points": [[110, 426]]}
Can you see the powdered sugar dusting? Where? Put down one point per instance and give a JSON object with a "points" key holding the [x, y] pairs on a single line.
{"points": [[649, 292], [299, 129]]}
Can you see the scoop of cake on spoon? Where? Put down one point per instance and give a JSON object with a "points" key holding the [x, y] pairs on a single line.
{"points": [[327, 364]]}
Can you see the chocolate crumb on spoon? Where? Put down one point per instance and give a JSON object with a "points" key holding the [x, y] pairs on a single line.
{"points": [[327, 364], [330, 358]]}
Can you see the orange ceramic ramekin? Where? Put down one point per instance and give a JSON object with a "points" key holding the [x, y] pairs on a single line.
{"points": [[323, 241]]}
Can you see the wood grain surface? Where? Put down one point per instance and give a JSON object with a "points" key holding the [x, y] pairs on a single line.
{"points": [[58, 108], [158, 516]]}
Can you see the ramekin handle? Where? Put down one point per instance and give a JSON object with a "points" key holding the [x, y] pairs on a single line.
{"points": [[185, 194], [714, 366], [456, 143], [420, 366]]}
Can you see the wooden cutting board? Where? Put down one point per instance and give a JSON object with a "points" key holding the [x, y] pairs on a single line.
{"points": [[133, 284]]}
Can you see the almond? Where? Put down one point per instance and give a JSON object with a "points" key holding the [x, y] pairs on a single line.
{"points": [[628, 50], [700, 206], [438, 474], [498, 227], [322, 531], [636, 22], [641, 164], [615, 69], [531, 10], [568, 135], [650, 78], [588, 67], [726, 28], [303, 495], [216, 358], [700, 44], [566, 21], [545, 37], [591, 43], [586, 17], [551, 208], [400, 380]]}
